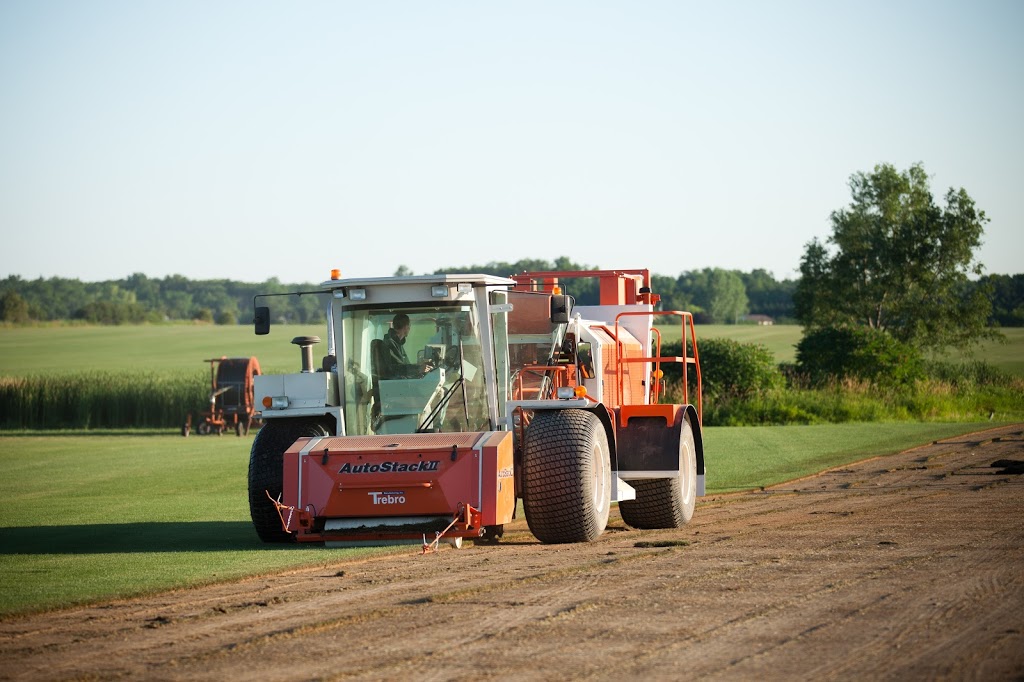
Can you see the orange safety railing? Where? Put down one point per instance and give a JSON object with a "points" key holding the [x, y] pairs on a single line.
{"points": [[560, 375], [686, 321]]}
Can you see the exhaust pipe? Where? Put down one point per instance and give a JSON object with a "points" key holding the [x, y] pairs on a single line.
{"points": [[306, 343]]}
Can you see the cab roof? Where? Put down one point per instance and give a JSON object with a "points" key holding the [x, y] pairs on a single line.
{"points": [[475, 279]]}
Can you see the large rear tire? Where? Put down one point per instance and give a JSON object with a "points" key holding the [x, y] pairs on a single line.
{"points": [[666, 502], [266, 474], [566, 476]]}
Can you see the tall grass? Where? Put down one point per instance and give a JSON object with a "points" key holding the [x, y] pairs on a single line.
{"points": [[931, 400], [102, 400]]}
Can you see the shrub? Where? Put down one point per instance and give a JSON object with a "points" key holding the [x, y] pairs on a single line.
{"points": [[976, 372], [729, 369], [226, 317], [837, 353], [13, 308], [107, 312]]}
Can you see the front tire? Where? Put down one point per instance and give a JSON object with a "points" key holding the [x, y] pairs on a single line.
{"points": [[266, 472], [666, 502], [566, 476]]}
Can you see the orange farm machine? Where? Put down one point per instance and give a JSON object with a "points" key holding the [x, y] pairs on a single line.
{"points": [[231, 404], [442, 400]]}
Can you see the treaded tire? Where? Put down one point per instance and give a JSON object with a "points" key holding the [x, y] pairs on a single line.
{"points": [[567, 476], [666, 502], [266, 474]]}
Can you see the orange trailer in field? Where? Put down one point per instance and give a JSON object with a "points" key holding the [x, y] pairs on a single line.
{"points": [[231, 404], [512, 392]]}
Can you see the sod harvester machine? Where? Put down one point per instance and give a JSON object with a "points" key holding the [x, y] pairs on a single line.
{"points": [[512, 392]]}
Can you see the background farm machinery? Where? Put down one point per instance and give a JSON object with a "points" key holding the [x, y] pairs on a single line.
{"points": [[230, 404]]}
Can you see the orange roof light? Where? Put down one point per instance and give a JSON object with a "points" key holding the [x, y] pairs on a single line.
{"points": [[335, 274]]}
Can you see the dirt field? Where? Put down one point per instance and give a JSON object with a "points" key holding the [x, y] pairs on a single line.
{"points": [[909, 566]]}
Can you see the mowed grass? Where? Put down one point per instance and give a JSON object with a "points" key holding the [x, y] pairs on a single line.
{"points": [[88, 517], [749, 457], [135, 348], [780, 339], [71, 349], [93, 517]]}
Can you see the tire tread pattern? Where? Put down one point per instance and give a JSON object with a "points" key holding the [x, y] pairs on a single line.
{"points": [[558, 476], [659, 502], [266, 474]]}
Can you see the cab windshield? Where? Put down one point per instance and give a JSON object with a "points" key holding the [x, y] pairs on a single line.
{"points": [[412, 370]]}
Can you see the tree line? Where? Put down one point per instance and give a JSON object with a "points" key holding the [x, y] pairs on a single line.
{"points": [[138, 299], [897, 263], [714, 295]]}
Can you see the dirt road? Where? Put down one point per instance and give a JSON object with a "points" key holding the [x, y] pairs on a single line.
{"points": [[909, 566]]}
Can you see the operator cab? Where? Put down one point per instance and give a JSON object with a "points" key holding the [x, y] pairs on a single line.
{"points": [[437, 385], [458, 357]]}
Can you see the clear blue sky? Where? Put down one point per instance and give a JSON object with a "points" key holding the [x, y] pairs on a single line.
{"points": [[257, 139]]}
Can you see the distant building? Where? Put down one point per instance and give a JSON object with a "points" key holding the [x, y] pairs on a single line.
{"points": [[761, 320]]}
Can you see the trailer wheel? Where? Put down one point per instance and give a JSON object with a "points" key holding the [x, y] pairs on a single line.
{"points": [[666, 502], [566, 476], [266, 461]]}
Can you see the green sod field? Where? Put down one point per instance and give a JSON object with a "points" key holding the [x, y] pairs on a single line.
{"points": [[105, 515], [136, 348], [95, 515], [176, 347]]}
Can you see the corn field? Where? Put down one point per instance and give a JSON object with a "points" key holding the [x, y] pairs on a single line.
{"points": [[102, 400]]}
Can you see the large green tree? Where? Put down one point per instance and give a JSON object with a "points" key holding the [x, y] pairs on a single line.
{"points": [[13, 308], [898, 262], [720, 297], [727, 296], [768, 296]]}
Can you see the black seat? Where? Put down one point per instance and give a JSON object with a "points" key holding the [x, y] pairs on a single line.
{"points": [[376, 359]]}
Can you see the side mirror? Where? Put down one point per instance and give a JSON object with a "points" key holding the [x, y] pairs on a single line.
{"points": [[585, 359], [261, 320], [561, 307]]}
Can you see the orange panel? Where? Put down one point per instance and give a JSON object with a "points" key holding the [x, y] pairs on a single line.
{"points": [[609, 387], [499, 488], [633, 372], [665, 411], [411, 475]]}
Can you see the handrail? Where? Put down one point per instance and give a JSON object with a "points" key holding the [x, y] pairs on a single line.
{"points": [[556, 371], [686, 321]]}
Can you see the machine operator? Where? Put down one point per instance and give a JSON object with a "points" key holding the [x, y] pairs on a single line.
{"points": [[395, 362]]}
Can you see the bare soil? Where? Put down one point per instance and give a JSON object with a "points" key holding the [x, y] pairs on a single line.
{"points": [[908, 566]]}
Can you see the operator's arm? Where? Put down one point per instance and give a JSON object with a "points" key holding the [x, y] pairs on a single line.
{"points": [[396, 365]]}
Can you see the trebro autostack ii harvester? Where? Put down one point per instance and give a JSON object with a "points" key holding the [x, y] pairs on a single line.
{"points": [[513, 392]]}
